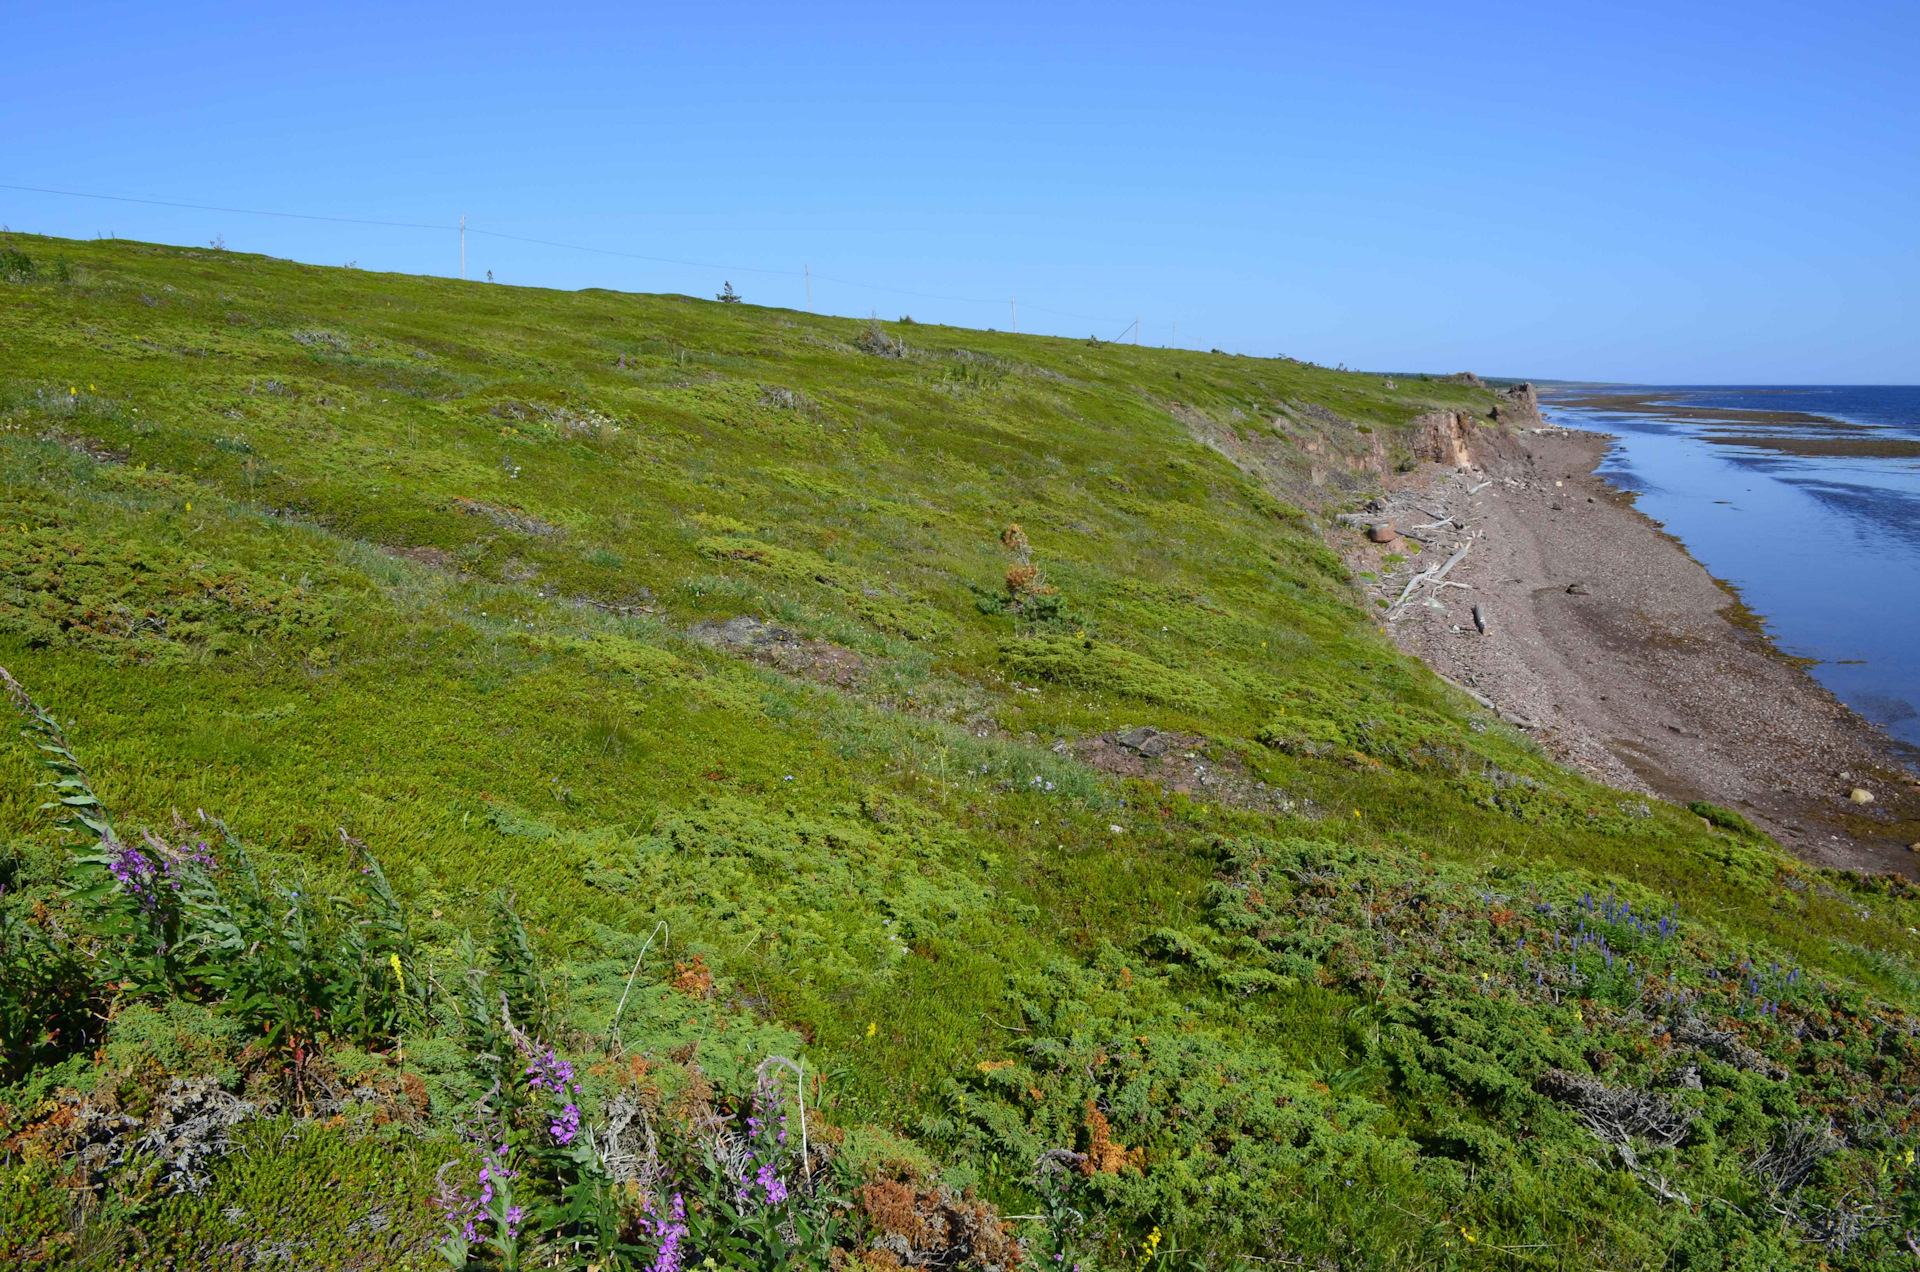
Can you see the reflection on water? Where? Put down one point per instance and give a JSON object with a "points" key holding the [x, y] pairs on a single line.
{"points": [[1806, 499]]}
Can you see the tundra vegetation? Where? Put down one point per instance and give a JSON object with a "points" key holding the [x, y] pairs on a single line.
{"points": [[578, 780]]}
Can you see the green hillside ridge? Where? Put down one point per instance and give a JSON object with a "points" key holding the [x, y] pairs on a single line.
{"points": [[410, 600]]}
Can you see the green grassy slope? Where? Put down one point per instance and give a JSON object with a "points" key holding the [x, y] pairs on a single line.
{"points": [[315, 550]]}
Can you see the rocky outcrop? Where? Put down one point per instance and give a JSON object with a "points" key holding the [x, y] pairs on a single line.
{"points": [[1519, 407], [1444, 437], [1465, 377]]}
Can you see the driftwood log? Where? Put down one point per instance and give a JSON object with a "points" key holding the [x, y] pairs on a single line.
{"points": [[1432, 574]]}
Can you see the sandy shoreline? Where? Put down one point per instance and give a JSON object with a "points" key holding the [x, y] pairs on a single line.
{"points": [[1623, 656]]}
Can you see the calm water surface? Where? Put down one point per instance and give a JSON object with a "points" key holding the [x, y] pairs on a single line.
{"points": [[1806, 498]]}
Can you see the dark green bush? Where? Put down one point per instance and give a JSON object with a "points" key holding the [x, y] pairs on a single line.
{"points": [[16, 266], [1725, 819]]}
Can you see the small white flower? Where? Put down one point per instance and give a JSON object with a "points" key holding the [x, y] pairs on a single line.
{"points": [[1116, 830]]}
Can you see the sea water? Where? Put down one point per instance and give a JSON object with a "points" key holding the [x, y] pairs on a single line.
{"points": [[1805, 498]]}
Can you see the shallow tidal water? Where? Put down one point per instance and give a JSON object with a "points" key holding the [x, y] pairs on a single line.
{"points": [[1805, 498]]}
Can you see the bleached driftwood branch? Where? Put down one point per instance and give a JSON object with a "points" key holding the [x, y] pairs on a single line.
{"points": [[1432, 574]]}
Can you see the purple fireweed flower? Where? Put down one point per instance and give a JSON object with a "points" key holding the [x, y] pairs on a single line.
{"points": [[149, 876], [466, 1210], [469, 1209], [566, 1125], [668, 1232], [136, 873], [548, 1072]]}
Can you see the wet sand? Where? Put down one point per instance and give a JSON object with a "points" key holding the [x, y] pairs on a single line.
{"points": [[1623, 657]]}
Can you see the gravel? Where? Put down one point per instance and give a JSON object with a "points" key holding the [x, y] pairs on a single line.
{"points": [[1617, 647]]}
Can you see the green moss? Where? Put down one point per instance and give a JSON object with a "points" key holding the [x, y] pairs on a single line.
{"points": [[1086, 663], [78, 588]]}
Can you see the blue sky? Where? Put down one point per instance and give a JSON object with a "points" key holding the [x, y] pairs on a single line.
{"points": [[1661, 193]]}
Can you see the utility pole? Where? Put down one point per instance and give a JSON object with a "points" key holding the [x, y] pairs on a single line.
{"points": [[808, 271], [1136, 329], [1013, 307], [463, 247]]}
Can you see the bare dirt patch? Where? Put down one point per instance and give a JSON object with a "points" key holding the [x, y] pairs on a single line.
{"points": [[515, 519], [783, 650], [1185, 763], [435, 558]]}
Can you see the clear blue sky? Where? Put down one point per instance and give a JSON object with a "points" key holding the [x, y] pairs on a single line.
{"points": [[1654, 192]]}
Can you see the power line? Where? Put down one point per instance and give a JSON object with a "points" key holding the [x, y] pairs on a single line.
{"points": [[635, 256], [463, 228], [962, 300], [202, 207]]}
